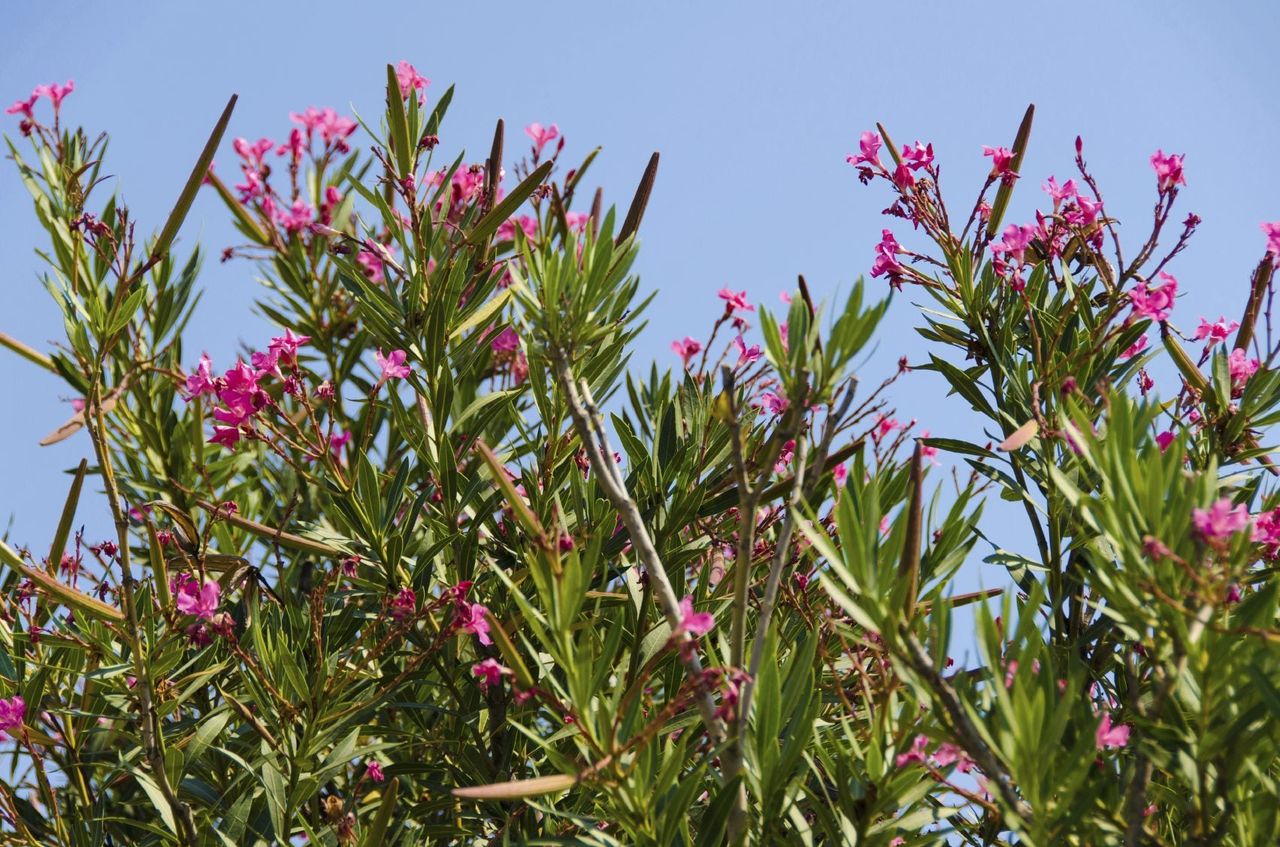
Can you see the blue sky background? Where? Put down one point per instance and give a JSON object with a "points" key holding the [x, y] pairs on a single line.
{"points": [[753, 105]]}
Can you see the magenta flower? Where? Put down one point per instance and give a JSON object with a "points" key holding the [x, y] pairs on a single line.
{"points": [[869, 147], [12, 712], [403, 604], [489, 672], [1109, 736], [1221, 520], [1060, 193], [887, 257], [948, 753], [202, 381], [1168, 170], [903, 178], [1001, 161], [746, 355], [734, 301], [1154, 303], [1266, 531], [472, 619], [27, 108], [56, 93], [1164, 439], [198, 600], [252, 152], [917, 156], [1272, 231], [1135, 348], [1242, 367], [227, 436], [686, 349], [694, 623], [373, 770], [392, 365], [772, 402], [507, 229], [286, 346], [1215, 332], [541, 136], [914, 755], [332, 127], [840, 475], [410, 80], [297, 218]]}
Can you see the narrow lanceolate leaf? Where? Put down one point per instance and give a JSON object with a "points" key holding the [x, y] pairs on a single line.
{"points": [[494, 166], [1005, 191], [247, 223], [481, 314], [68, 515], [489, 223], [76, 422], [276, 536], [909, 566], [28, 353], [517, 788], [399, 122], [377, 831], [1186, 367], [528, 520], [180, 209], [1020, 436], [66, 594], [631, 223]]}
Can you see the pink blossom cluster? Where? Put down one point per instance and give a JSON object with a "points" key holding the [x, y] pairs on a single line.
{"points": [[238, 389]]}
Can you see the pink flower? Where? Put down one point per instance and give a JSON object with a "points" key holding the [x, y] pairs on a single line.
{"points": [[27, 109], [12, 712], [1109, 736], [489, 672], [201, 382], [252, 152], [1221, 520], [286, 346], [1135, 348], [373, 770], [227, 436], [948, 753], [56, 93], [1266, 531], [686, 349], [392, 365], [332, 127], [772, 402], [410, 80], [297, 218], [507, 229], [541, 136], [694, 623], [903, 178], [915, 754], [193, 599], [887, 257], [1215, 332], [746, 355], [507, 341], [1001, 160], [734, 301], [884, 426], [1014, 241], [1164, 439], [1272, 231], [928, 452], [1242, 367], [869, 147], [338, 440], [472, 619], [1154, 303], [1168, 170], [840, 475], [1059, 193], [403, 604], [917, 156]]}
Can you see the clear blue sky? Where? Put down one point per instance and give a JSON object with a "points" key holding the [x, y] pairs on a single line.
{"points": [[753, 105]]}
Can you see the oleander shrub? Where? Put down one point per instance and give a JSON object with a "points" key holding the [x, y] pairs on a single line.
{"points": [[439, 563]]}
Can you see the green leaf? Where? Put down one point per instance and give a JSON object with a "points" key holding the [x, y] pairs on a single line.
{"points": [[180, 209]]}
